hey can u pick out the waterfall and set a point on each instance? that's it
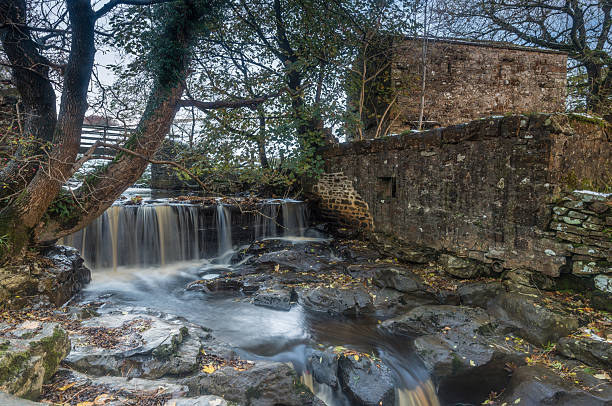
(224, 229)
(286, 218)
(163, 233)
(294, 218)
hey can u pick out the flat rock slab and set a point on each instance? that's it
(138, 345)
(591, 351)
(208, 400)
(29, 355)
(347, 301)
(10, 400)
(539, 386)
(69, 384)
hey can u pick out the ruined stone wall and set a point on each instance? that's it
(485, 191)
(340, 202)
(469, 80)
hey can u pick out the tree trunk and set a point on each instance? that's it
(21, 216)
(102, 188)
(261, 139)
(600, 90)
(31, 77)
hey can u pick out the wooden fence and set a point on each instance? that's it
(107, 134)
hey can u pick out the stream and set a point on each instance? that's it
(143, 256)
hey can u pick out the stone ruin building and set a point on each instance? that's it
(465, 80)
(527, 187)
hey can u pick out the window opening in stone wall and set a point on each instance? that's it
(386, 187)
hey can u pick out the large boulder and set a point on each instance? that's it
(136, 345)
(536, 322)
(365, 381)
(263, 384)
(539, 386)
(30, 354)
(323, 365)
(463, 348)
(66, 277)
(479, 294)
(50, 280)
(400, 280)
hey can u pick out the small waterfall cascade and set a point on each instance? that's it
(224, 229)
(159, 234)
(282, 218)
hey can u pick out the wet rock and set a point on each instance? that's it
(207, 400)
(66, 277)
(215, 285)
(302, 257)
(536, 385)
(479, 294)
(534, 322)
(400, 280)
(526, 281)
(390, 302)
(355, 251)
(48, 281)
(324, 367)
(348, 301)
(597, 353)
(463, 268)
(365, 382)
(265, 384)
(274, 298)
(259, 248)
(144, 346)
(29, 356)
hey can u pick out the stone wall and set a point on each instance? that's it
(470, 80)
(582, 220)
(340, 202)
(490, 191)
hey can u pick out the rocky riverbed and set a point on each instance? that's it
(287, 317)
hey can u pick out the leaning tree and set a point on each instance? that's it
(34, 206)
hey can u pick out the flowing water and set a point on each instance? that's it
(145, 255)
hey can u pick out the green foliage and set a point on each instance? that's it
(4, 242)
(301, 52)
(63, 206)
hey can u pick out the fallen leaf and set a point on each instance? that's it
(70, 385)
(209, 369)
